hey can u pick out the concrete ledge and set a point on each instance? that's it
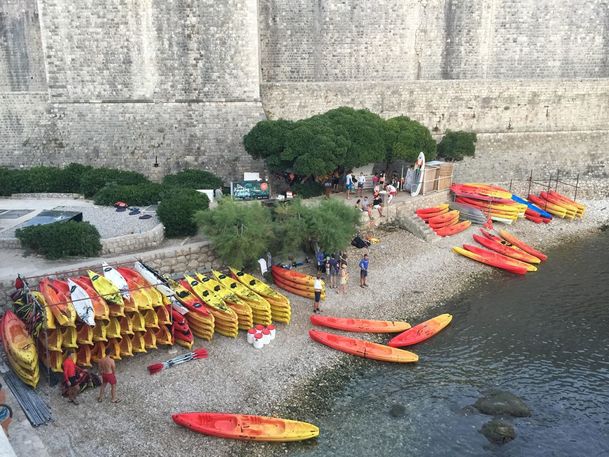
(48, 195)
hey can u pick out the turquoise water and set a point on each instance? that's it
(544, 337)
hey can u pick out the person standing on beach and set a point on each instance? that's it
(363, 271)
(344, 277)
(342, 259)
(349, 184)
(334, 270)
(360, 185)
(317, 287)
(107, 369)
(320, 261)
(70, 377)
(391, 191)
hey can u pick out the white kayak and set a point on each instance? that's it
(82, 303)
(152, 279)
(117, 279)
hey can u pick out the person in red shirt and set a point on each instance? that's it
(70, 376)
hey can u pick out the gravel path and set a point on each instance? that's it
(407, 275)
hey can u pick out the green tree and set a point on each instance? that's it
(290, 227)
(240, 233)
(457, 145)
(267, 140)
(406, 138)
(332, 225)
(177, 210)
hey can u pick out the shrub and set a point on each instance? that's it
(61, 239)
(290, 227)
(240, 232)
(177, 209)
(8, 181)
(308, 189)
(140, 194)
(94, 179)
(332, 225)
(72, 176)
(456, 145)
(193, 179)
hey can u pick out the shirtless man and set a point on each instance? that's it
(107, 369)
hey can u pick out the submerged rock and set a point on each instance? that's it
(502, 403)
(397, 411)
(498, 431)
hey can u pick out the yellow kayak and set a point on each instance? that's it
(210, 298)
(20, 349)
(258, 286)
(254, 300)
(106, 289)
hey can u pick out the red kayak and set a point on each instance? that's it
(244, 427)
(490, 260)
(363, 348)
(432, 210)
(465, 192)
(500, 257)
(522, 245)
(453, 229)
(450, 215)
(421, 332)
(448, 223)
(510, 251)
(292, 276)
(359, 325)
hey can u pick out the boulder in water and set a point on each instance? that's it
(502, 403)
(498, 431)
(397, 411)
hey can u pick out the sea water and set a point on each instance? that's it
(543, 337)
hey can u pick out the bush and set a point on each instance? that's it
(290, 227)
(138, 195)
(456, 145)
(240, 232)
(332, 225)
(61, 239)
(177, 209)
(308, 189)
(94, 179)
(193, 179)
(8, 181)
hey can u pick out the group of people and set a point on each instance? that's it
(336, 267)
(73, 376)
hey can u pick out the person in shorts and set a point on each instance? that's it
(391, 191)
(349, 184)
(360, 185)
(107, 370)
(377, 203)
(317, 288)
(363, 271)
(70, 376)
(344, 277)
(334, 267)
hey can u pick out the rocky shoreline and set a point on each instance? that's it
(407, 276)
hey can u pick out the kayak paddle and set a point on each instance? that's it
(194, 355)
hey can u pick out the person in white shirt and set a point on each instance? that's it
(349, 184)
(317, 287)
(360, 184)
(391, 191)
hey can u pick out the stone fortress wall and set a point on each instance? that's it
(128, 83)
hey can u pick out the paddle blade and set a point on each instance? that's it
(200, 353)
(155, 368)
(489, 224)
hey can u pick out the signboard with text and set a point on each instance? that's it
(250, 190)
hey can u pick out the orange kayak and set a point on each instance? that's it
(244, 427)
(500, 257)
(359, 325)
(510, 251)
(447, 223)
(292, 276)
(522, 245)
(453, 229)
(60, 305)
(421, 332)
(432, 210)
(488, 260)
(362, 348)
(450, 215)
(296, 289)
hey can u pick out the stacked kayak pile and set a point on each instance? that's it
(442, 221)
(505, 252)
(493, 201)
(89, 314)
(261, 308)
(295, 282)
(281, 310)
(557, 205)
(375, 351)
(20, 349)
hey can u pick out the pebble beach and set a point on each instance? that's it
(407, 276)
